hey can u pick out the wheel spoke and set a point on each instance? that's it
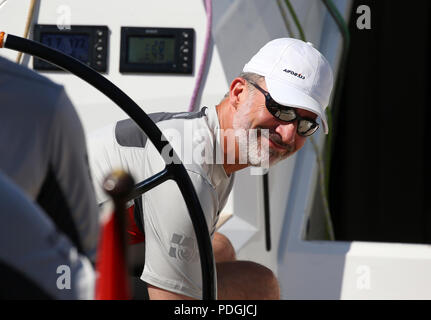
(150, 183)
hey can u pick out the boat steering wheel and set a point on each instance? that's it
(174, 170)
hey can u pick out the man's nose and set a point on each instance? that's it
(287, 132)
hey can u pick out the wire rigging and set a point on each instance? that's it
(208, 5)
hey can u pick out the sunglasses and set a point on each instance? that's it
(306, 126)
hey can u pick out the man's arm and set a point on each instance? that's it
(35, 256)
(156, 293)
(69, 163)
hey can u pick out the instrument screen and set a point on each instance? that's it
(151, 50)
(75, 45)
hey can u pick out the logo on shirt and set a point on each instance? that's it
(182, 248)
(293, 73)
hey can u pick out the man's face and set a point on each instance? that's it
(279, 141)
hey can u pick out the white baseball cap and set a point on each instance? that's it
(296, 74)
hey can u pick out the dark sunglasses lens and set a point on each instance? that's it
(287, 114)
(307, 127)
(281, 112)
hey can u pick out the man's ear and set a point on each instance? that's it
(237, 91)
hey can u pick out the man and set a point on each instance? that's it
(43, 151)
(276, 100)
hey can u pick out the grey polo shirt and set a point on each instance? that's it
(172, 258)
(43, 151)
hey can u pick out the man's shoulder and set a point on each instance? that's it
(129, 134)
(36, 92)
(15, 72)
(188, 134)
(192, 140)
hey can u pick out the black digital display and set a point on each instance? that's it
(88, 44)
(75, 45)
(157, 50)
(151, 50)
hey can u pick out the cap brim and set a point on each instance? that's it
(290, 96)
